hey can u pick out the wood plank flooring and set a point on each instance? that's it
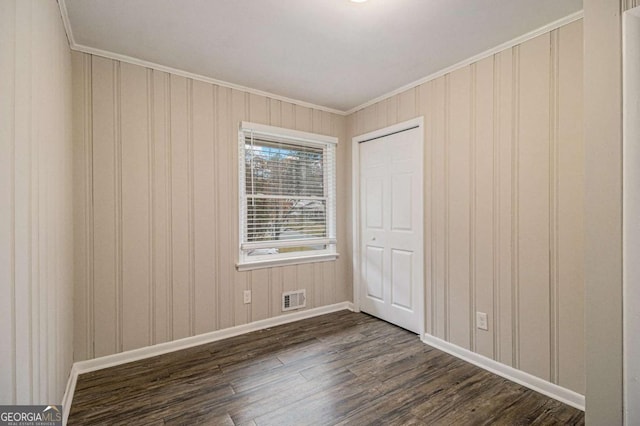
(340, 368)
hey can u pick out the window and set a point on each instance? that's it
(287, 197)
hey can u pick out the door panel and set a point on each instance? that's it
(391, 224)
(401, 185)
(374, 272)
(373, 193)
(401, 278)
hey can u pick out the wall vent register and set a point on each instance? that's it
(294, 300)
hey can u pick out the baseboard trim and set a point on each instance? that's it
(537, 384)
(68, 394)
(87, 366)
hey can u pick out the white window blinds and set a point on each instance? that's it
(287, 194)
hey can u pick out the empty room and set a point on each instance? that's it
(319, 212)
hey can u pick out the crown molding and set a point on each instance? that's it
(158, 67)
(128, 59)
(65, 21)
(193, 76)
(466, 62)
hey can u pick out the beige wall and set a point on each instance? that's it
(504, 203)
(36, 251)
(157, 205)
(603, 206)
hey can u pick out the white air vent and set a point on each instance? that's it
(294, 300)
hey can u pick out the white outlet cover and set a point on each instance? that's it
(482, 321)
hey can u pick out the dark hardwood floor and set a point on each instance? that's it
(340, 368)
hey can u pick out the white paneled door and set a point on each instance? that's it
(391, 224)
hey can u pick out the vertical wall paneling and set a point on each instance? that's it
(369, 116)
(81, 180)
(459, 202)
(36, 199)
(630, 213)
(215, 219)
(86, 232)
(533, 207)
(381, 110)
(7, 197)
(570, 199)
(504, 191)
(225, 167)
(164, 228)
(553, 206)
(406, 105)
(504, 199)
(161, 212)
(105, 302)
(190, 209)
(446, 140)
(169, 217)
(22, 203)
(38, 152)
(135, 248)
(151, 290)
(423, 94)
(473, 203)
(438, 112)
(117, 173)
(515, 205)
(392, 110)
(495, 194)
(63, 245)
(180, 207)
(203, 204)
(603, 199)
(240, 281)
(483, 184)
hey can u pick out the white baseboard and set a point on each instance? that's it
(81, 367)
(68, 394)
(537, 384)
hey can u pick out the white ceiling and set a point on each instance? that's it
(332, 53)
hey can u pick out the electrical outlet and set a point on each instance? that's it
(481, 321)
(247, 296)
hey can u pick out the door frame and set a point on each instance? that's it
(631, 209)
(355, 200)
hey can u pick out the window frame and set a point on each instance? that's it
(299, 138)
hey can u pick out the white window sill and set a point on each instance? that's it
(247, 266)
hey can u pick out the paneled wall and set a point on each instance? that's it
(156, 207)
(603, 100)
(36, 251)
(504, 203)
